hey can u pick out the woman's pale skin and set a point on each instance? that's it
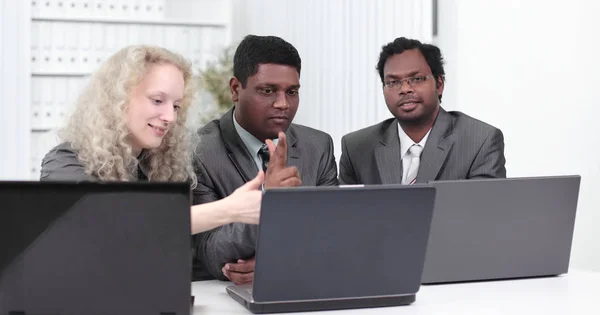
(151, 113)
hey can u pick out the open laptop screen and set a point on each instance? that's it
(95, 248)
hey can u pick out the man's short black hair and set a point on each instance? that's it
(432, 55)
(255, 50)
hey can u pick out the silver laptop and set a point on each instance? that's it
(95, 248)
(501, 228)
(325, 248)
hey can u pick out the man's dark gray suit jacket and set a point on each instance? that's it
(458, 147)
(224, 164)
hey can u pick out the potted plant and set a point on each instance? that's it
(214, 80)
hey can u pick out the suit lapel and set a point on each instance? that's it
(237, 151)
(293, 152)
(387, 156)
(437, 148)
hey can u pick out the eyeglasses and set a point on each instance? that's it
(412, 81)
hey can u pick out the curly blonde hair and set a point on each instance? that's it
(98, 130)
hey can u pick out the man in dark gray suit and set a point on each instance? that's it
(423, 142)
(234, 148)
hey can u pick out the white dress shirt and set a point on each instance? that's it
(405, 143)
(251, 143)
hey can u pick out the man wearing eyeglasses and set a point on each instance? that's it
(423, 142)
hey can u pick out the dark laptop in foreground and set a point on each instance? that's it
(96, 249)
(501, 228)
(325, 248)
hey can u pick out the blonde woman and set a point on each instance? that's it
(129, 124)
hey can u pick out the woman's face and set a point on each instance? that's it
(153, 106)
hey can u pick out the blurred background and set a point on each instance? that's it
(528, 67)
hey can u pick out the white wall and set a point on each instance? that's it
(531, 68)
(339, 42)
(14, 89)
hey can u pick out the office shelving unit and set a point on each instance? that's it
(69, 39)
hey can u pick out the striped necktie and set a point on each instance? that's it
(413, 169)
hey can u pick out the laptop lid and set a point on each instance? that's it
(501, 228)
(324, 243)
(95, 248)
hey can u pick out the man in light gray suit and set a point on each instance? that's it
(234, 148)
(423, 142)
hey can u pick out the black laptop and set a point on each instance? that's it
(94, 248)
(501, 228)
(324, 248)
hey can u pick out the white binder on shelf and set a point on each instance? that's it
(137, 9)
(110, 36)
(112, 9)
(98, 38)
(158, 34)
(195, 51)
(84, 54)
(52, 8)
(183, 41)
(47, 108)
(45, 46)
(171, 37)
(100, 8)
(61, 91)
(36, 8)
(85, 9)
(133, 33)
(157, 9)
(122, 37)
(36, 102)
(121, 9)
(58, 54)
(35, 46)
(72, 46)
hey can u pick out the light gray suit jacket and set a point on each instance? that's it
(458, 147)
(224, 164)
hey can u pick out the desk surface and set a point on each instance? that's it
(575, 293)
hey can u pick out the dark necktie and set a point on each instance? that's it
(264, 155)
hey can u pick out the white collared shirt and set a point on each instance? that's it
(251, 142)
(405, 143)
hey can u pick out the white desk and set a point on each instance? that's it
(575, 293)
